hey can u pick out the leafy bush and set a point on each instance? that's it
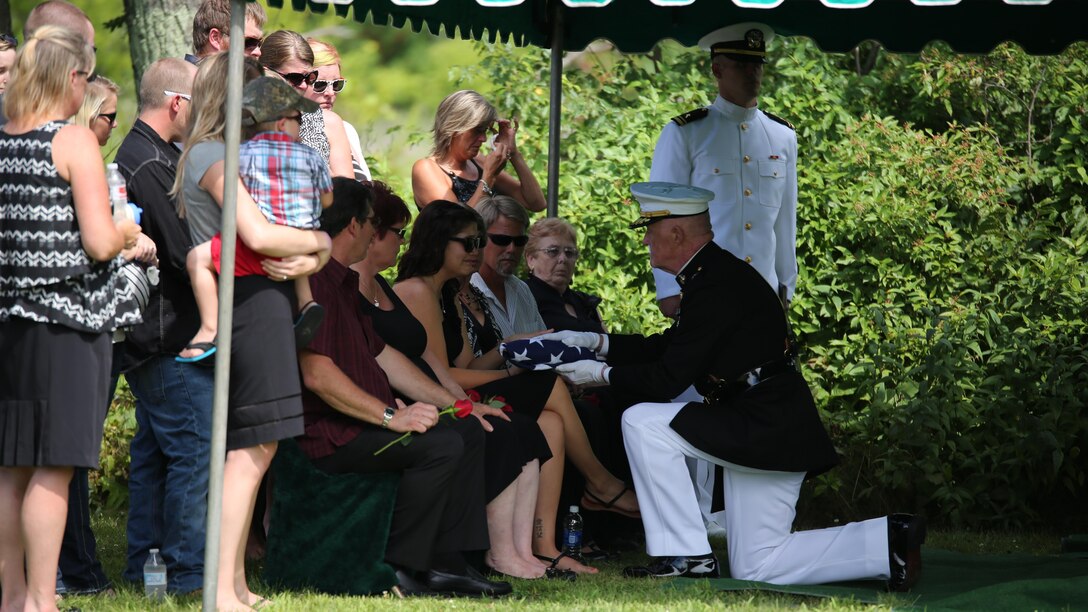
(942, 243)
(109, 484)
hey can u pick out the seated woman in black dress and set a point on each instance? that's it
(515, 445)
(444, 251)
(551, 254)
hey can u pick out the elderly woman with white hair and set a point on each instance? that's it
(456, 171)
(551, 255)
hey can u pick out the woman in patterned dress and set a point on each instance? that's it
(60, 297)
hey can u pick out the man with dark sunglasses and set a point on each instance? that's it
(510, 299)
(211, 29)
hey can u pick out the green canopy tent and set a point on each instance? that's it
(968, 26)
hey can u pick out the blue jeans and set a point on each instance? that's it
(168, 474)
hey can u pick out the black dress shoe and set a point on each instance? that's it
(501, 587)
(410, 586)
(906, 533)
(449, 583)
(702, 566)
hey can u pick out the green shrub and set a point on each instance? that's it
(943, 278)
(109, 485)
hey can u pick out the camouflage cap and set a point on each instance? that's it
(268, 99)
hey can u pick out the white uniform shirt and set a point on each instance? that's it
(749, 161)
(519, 315)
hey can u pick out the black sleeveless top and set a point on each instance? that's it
(462, 187)
(398, 328)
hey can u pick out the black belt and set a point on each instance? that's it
(723, 389)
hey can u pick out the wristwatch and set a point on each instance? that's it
(389, 412)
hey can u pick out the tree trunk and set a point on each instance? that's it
(5, 18)
(158, 29)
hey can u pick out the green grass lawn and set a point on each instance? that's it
(607, 590)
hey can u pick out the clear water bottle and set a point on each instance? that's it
(154, 576)
(118, 193)
(572, 533)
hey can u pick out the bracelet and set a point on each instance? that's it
(487, 189)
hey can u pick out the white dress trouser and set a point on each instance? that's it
(702, 474)
(760, 511)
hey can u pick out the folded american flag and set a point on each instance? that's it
(537, 354)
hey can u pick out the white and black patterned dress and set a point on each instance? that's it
(56, 307)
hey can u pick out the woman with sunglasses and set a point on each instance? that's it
(324, 90)
(515, 446)
(445, 250)
(60, 297)
(456, 171)
(287, 55)
(99, 108)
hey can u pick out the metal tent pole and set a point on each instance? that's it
(555, 108)
(229, 230)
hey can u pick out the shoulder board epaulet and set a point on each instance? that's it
(690, 116)
(778, 119)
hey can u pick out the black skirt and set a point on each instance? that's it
(53, 386)
(526, 394)
(265, 392)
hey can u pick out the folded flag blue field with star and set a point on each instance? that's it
(537, 354)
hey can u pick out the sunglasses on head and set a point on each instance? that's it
(111, 117)
(320, 85)
(505, 240)
(471, 243)
(252, 43)
(296, 79)
(9, 39)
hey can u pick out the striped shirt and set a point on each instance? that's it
(45, 274)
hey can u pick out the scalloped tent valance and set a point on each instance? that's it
(1040, 27)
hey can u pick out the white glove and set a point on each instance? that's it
(585, 372)
(590, 340)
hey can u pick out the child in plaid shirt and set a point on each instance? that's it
(290, 183)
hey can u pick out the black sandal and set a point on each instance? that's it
(595, 553)
(595, 504)
(309, 319)
(554, 572)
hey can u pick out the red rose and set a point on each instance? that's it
(462, 408)
(473, 395)
(507, 408)
(499, 398)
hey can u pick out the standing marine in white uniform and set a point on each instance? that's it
(746, 156)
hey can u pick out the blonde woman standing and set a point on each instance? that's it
(457, 172)
(324, 90)
(265, 402)
(99, 109)
(60, 297)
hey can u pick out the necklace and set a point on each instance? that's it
(362, 293)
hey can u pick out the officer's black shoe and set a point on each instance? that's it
(906, 533)
(700, 566)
